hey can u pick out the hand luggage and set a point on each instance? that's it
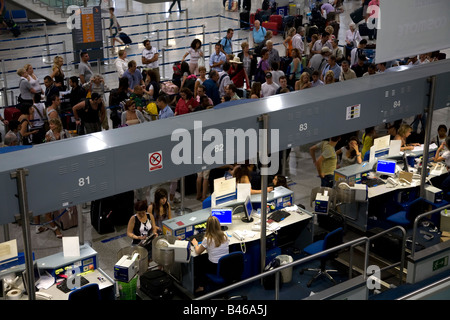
(271, 26)
(269, 281)
(365, 31)
(13, 27)
(244, 20)
(278, 19)
(357, 15)
(67, 218)
(157, 284)
(12, 113)
(125, 38)
(101, 218)
(252, 20)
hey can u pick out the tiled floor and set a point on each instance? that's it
(301, 171)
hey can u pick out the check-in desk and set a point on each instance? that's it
(57, 265)
(297, 228)
(382, 200)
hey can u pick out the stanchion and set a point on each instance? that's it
(164, 63)
(204, 34)
(157, 39)
(47, 59)
(187, 21)
(5, 84)
(183, 209)
(220, 27)
(105, 42)
(167, 34)
(65, 66)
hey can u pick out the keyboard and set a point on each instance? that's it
(279, 215)
(199, 237)
(373, 182)
(63, 284)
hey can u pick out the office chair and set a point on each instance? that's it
(88, 292)
(405, 218)
(332, 239)
(366, 156)
(229, 269)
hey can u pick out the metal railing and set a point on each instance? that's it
(277, 271)
(416, 223)
(401, 263)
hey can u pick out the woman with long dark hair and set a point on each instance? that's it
(243, 174)
(195, 52)
(160, 208)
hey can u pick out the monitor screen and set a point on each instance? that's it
(386, 167)
(224, 215)
(248, 209)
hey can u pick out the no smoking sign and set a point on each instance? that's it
(155, 161)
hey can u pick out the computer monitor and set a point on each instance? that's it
(248, 209)
(386, 167)
(37, 276)
(224, 215)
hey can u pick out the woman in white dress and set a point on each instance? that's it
(196, 53)
(32, 78)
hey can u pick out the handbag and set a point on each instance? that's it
(46, 124)
(201, 62)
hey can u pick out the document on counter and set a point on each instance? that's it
(224, 186)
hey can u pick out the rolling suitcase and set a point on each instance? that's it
(67, 218)
(271, 26)
(244, 20)
(12, 113)
(125, 38)
(13, 27)
(278, 19)
(247, 5)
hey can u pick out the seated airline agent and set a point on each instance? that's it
(217, 244)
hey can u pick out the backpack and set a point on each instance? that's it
(157, 284)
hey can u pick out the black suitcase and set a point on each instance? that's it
(244, 20)
(101, 215)
(157, 284)
(125, 38)
(331, 221)
(123, 208)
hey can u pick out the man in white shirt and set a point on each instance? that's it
(297, 40)
(357, 51)
(268, 88)
(150, 57)
(121, 63)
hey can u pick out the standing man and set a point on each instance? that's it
(346, 72)
(217, 59)
(258, 33)
(212, 88)
(150, 57)
(269, 88)
(297, 40)
(226, 42)
(164, 109)
(326, 163)
(333, 66)
(274, 56)
(50, 90)
(323, 42)
(173, 3)
(84, 68)
(93, 114)
(133, 75)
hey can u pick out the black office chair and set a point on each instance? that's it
(332, 239)
(88, 292)
(229, 269)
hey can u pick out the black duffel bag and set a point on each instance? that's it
(157, 284)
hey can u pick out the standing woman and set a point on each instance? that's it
(26, 91)
(25, 118)
(295, 67)
(288, 41)
(200, 79)
(216, 243)
(248, 59)
(33, 79)
(114, 29)
(255, 93)
(57, 73)
(141, 224)
(160, 209)
(195, 51)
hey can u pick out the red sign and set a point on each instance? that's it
(155, 161)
